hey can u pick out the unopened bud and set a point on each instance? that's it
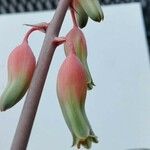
(75, 38)
(21, 65)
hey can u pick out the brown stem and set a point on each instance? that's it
(29, 110)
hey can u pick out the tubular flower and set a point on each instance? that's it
(21, 65)
(71, 91)
(75, 38)
(85, 9)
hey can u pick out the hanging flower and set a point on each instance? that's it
(21, 65)
(71, 91)
(75, 39)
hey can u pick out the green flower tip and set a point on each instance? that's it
(86, 143)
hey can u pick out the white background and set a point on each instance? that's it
(118, 107)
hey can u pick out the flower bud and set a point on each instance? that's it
(93, 9)
(21, 65)
(87, 8)
(71, 91)
(75, 38)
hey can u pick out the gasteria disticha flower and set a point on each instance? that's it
(75, 38)
(87, 8)
(71, 91)
(21, 65)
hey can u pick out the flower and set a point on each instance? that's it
(75, 39)
(85, 9)
(21, 65)
(71, 91)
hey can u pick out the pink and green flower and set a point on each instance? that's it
(75, 39)
(71, 91)
(21, 65)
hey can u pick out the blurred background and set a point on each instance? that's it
(16, 6)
